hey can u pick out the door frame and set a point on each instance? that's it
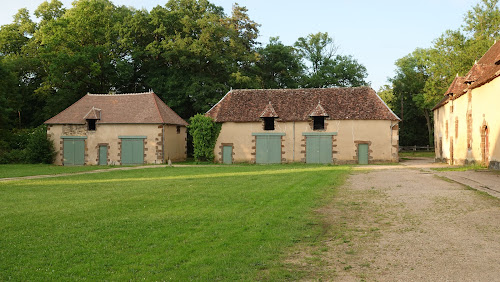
(99, 158)
(80, 138)
(368, 143)
(128, 138)
(328, 134)
(224, 145)
(276, 134)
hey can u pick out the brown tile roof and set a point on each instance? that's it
(269, 111)
(488, 67)
(360, 103)
(457, 87)
(441, 103)
(319, 111)
(145, 108)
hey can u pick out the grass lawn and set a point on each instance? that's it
(421, 154)
(19, 170)
(174, 223)
(462, 168)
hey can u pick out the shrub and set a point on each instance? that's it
(39, 148)
(205, 132)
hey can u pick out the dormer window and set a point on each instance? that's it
(91, 124)
(319, 123)
(268, 123)
(268, 115)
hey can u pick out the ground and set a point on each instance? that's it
(406, 224)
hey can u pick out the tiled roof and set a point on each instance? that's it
(359, 103)
(482, 72)
(441, 103)
(142, 108)
(319, 111)
(269, 111)
(457, 87)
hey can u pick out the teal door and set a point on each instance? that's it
(268, 149)
(74, 151)
(103, 155)
(227, 154)
(132, 151)
(363, 153)
(319, 149)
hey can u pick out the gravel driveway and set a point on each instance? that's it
(405, 224)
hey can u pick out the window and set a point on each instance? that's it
(178, 129)
(91, 124)
(268, 123)
(319, 123)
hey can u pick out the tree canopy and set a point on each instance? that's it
(423, 76)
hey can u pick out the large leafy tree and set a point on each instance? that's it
(279, 66)
(326, 67)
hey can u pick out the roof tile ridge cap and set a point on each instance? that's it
(68, 107)
(373, 91)
(118, 94)
(154, 96)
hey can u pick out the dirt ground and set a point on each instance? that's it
(405, 224)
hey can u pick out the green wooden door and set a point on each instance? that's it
(268, 149)
(227, 154)
(74, 151)
(363, 153)
(132, 151)
(319, 149)
(103, 155)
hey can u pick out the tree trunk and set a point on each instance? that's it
(429, 126)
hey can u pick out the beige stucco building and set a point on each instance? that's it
(332, 125)
(115, 129)
(467, 120)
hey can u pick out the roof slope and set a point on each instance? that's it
(457, 87)
(143, 108)
(360, 103)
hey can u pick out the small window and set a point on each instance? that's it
(268, 123)
(178, 129)
(319, 123)
(91, 124)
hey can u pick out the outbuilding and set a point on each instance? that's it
(328, 125)
(114, 129)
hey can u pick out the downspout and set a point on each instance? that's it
(163, 143)
(293, 157)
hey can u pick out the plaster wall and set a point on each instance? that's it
(381, 135)
(108, 135)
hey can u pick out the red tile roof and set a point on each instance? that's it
(482, 72)
(359, 103)
(319, 111)
(141, 108)
(269, 111)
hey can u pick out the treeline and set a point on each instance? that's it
(423, 76)
(188, 52)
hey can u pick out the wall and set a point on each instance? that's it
(107, 134)
(175, 143)
(480, 104)
(382, 139)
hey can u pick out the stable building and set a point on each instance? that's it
(467, 120)
(116, 129)
(328, 125)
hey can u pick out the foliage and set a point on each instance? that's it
(205, 132)
(423, 76)
(40, 149)
(386, 93)
(327, 68)
(193, 223)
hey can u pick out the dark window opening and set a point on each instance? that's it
(319, 123)
(91, 124)
(178, 129)
(269, 123)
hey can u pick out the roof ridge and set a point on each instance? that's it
(119, 94)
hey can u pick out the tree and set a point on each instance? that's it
(328, 69)
(205, 132)
(279, 66)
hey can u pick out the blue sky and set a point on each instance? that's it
(376, 33)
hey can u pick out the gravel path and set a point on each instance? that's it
(405, 225)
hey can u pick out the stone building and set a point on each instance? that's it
(330, 125)
(113, 129)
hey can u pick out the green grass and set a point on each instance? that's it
(421, 154)
(19, 170)
(462, 168)
(174, 223)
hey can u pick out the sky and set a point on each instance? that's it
(375, 32)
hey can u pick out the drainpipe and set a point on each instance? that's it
(163, 143)
(293, 156)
